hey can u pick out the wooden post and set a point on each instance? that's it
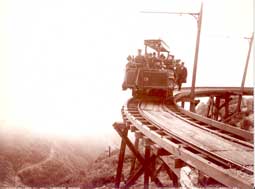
(210, 107)
(137, 173)
(217, 106)
(147, 166)
(153, 166)
(171, 175)
(121, 159)
(134, 158)
(109, 151)
(227, 99)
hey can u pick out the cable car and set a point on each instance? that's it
(151, 74)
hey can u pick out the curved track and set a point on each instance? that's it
(216, 149)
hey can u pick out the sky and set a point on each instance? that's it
(62, 61)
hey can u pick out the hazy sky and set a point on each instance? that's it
(62, 61)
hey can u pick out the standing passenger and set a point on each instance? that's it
(154, 60)
(139, 59)
(181, 75)
(150, 61)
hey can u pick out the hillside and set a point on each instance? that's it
(32, 160)
(36, 161)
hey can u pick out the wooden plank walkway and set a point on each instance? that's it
(198, 137)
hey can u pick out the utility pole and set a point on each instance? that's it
(198, 17)
(194, 73)
(245, 73)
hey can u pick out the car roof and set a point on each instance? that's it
(157, 45)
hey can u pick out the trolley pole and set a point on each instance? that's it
(194, 73)
(198, 17)
(245, 73)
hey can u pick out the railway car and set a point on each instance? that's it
(154, 74)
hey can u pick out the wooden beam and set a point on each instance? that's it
(139, 157)
(227, 99)
(147, 141)
(153, 166)
(133, 128)
(182, 104)
(131, 146)
(171, 175)
(178, 163)
(158, 151)
(134, 176)
(138, 134)
(132, 168)
(157, 171)
(121, 159)
(217, 106)
(147, 167)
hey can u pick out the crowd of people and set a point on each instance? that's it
(161, 62)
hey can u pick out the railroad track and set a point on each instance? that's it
(203, 123)
(229, 160)
(211, 124)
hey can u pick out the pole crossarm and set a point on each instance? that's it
(162, 12)
(194, 14)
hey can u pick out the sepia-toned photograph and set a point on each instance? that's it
(144, 94)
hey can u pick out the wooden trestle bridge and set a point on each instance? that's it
(177, 138)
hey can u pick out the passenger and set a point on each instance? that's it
(169, 62)
(163, 66)
(170, 65)
(154, 60)
(159, 62)
(149, 60)
(130, 63)
(176, 67)
(158, 65)
(139, 59)
(162, 62)
(181, 75)
(133, 58)
(162, 58)
(170, 58)
(129, 58)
